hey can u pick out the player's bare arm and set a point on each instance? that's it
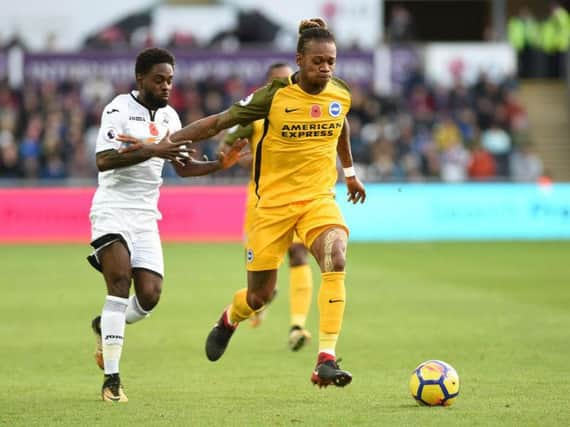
(356, 192)
(205, 128)
(226, 159)
(139, 152)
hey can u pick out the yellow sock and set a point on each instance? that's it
(240, 309)
(332, 297)
(300, 293)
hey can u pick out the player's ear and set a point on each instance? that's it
(298, 59)
(139, 79)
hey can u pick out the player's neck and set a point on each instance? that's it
(311, 89)
(144, 102)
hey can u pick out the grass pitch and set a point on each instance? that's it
(498, 312)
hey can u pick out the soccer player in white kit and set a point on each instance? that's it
(124, 210)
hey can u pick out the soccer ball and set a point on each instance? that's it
(434, 383)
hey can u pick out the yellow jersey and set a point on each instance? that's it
(253, 132)
(294, 159)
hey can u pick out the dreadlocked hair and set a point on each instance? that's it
(150, 57)
(313, 29)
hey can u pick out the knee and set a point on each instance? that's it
(118, 284)
(333, 253)
(149, 297)
(258, 298)
(338, 259)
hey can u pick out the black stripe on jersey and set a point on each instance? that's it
(257, 166)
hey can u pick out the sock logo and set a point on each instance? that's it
(113, 337)
(335, 300)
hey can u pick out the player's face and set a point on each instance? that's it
(317, 63)
(279, 73)
(156, 85)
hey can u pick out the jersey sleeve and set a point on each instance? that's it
(257, 105)
(112, 124)
(238, 131)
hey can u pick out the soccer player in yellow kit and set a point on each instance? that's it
(300, 276)
(294, 172)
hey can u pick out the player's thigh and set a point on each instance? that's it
(319, 215)
(147, 252)
(113, 246)
(115, 260)
(269, 234)
(298, 253)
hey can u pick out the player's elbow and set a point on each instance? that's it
(102, 164)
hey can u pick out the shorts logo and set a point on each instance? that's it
(111, 133)
(153, 129)
(246, 100)
(249, 255)
(335, 109)
(316, 111)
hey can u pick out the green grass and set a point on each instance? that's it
(498, 312)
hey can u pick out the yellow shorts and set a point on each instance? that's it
(296, 238)
(249, 208)
(270, 230)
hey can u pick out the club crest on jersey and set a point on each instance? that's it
(249, 255)
(335, 109)
(153, 129)
(316, 111)
(246, 100)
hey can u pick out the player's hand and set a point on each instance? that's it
(231, 157)
(356, 192)
(130, 143)
(165, 148)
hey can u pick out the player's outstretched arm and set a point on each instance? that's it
(137, 152)
(356, 191)
(192, 167)
(205, 128)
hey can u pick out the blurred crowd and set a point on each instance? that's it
(428, 133)
(452, 134)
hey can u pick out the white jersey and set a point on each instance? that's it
(136, 186)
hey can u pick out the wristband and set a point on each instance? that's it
(349, 172)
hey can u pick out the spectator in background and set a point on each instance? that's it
(482, 165)
(446, 134)
(97, 90)
(400, 25)
(9, 167)
(498, 142)
(383, 165)
(556, 39)
(523, 31)
(526, 165)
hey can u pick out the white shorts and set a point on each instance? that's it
(138, 229)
